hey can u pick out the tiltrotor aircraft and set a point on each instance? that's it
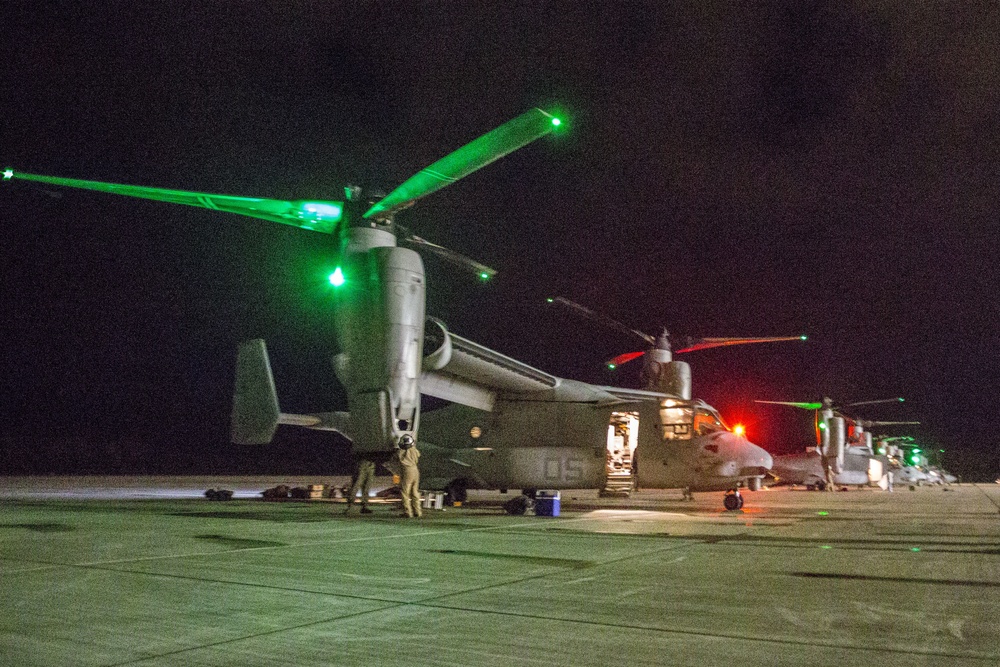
(842, 442)
(512, 426)
(910, 464)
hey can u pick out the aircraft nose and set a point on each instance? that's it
(758, 456)
(745, 458)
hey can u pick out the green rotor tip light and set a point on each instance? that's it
(8, 174)
(337, 277)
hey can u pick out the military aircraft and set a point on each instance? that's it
(910, 464)
(380, 295)
(512, 426)
(843, 443)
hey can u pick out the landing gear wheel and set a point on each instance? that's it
(733, 501)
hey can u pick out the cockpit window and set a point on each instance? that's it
(706, 422)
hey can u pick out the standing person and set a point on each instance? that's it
(364, 475)
(408, 455)
(831, 478)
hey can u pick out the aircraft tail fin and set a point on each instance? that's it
(255, 399)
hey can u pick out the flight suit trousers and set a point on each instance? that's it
(410, 485)
(362, 481)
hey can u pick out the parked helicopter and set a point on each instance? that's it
(909, 463)
(380, 304)
(844, 445)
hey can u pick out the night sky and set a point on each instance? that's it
(751, 169)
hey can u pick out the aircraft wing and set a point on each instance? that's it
(476, 376)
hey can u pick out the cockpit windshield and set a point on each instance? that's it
(707, 421)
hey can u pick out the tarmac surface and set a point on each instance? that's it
(145, 571)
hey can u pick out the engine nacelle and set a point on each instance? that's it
(838, 438)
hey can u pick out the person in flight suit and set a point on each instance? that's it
(408, 455)
(831, 478)
(364, 475)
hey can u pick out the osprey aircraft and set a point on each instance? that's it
(511, 425)
(842, 443)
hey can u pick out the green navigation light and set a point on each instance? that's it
(917, 450)
(556, 122)
(826, 546)
(8, 174)
(484, 276)
(337, 277)
(550, 300)
(612, 367)
(914, 548)
(803, 337)
(823, 513)
(822, 425)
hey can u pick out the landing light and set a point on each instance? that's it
(739, 429)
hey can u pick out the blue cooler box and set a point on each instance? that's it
(547, 503)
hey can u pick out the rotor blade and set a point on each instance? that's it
(804, 406)
(623, 359)
(707, 343)
(484, 272)
(474, 155)
(319, 216)
(589, 314)
(881, 400)
(866, 423)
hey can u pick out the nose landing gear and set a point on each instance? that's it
(733, 500)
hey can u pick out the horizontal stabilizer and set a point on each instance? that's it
(255, 400)
(339, 422)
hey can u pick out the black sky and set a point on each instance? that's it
(827, 168)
